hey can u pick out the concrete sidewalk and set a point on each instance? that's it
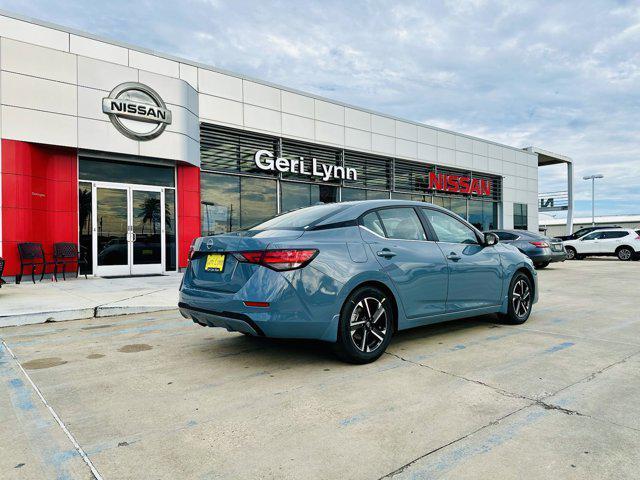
(86, 298)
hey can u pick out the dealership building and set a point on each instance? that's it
(131, 154)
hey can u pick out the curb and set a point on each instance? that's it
(77, 314)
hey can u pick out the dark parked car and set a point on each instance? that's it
(540, 249)
(584, 231)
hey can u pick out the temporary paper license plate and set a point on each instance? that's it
(215, 262)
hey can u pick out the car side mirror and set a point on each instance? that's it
(490, 239)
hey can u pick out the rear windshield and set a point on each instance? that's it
(301, 219)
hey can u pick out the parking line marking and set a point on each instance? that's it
(77, 446)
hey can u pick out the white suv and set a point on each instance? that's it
(621, 242)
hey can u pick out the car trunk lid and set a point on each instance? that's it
(215, 268)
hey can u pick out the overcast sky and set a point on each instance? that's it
(563, 76)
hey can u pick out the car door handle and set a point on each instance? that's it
(453, 257)
(386, 253)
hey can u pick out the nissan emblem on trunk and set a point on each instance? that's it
(137, 111)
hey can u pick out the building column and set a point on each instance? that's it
(188, 210)
(569, 198)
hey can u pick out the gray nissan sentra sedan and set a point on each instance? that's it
(542, 250)
(353, 273)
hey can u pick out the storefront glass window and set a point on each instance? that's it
(350, 194)
(126, 172)
(84, 218)
(298, 195)
(520, 216)
(170, 229)
(232, 202)
(483, 215)
(401, 196)
(459, 206)
(257, 200)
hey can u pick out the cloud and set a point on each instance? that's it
(564, 76)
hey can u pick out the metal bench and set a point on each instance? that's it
(32, 255)
(66, 253)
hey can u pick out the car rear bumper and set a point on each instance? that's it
(233, 322)
(289, 310)
(547, 256)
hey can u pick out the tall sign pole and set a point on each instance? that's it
(593, 196)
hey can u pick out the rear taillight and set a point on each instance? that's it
(192, 249)
(285, 259)
(540, 244)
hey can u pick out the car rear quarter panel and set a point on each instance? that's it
(341, 266)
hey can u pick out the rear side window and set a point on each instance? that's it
(614, 234)
(449, 229)
(302, 218)
(373, 223)
(396, 223)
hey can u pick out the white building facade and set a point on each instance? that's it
(131, 154)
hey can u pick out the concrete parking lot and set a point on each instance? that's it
(155, 396)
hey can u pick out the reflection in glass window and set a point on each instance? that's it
(229, 203)
(351, 194)
(220, 203)
(298, 195)
(257, 201)
(170, 229)
(125, 172)
(483, 215)
(402, 223)
(520, 216)
(448, 229)
(373, 223)
(459, 206)
(401, 196)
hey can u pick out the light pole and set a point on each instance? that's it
(593, 198)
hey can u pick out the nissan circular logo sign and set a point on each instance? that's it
(137, 111)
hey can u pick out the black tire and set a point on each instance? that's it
(518, 312)
(571, 253)
(540, 266)
(625, 253)
(363, 334)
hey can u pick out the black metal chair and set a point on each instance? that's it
(2, 282)
(32, 255)
(66, 253)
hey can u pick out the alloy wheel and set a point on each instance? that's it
(624, 254)
(521, 298)
(570, 253)
(368, 324)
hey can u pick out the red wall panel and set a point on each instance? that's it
(39, 198)
(188, 209)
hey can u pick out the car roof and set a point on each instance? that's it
(358, 207)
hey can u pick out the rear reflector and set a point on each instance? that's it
(256, 304)
(288, 259)
(540, 244)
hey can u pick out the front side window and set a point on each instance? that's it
(449, 229)
(591, 236)
(401, 224)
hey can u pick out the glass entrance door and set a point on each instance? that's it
(129, 227)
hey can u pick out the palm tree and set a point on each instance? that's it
(150, 212)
